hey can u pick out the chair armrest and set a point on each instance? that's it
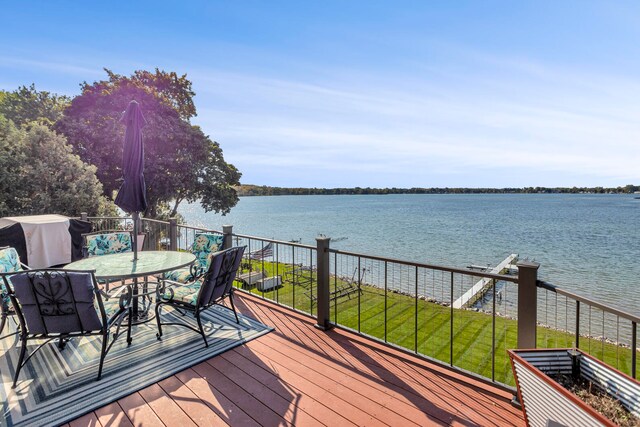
(173, 283)
(162, 288)
(115, 293)
(124, 298)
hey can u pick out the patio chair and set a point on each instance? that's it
(9, 263)
(195, 297)
(203, 247)
(107, 242)
(62, 304)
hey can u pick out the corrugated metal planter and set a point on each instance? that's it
(547, 403)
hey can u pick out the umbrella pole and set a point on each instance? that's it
(136, 219)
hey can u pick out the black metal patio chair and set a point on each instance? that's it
(62, 304)
(203, 247)
(9, 263)
(107, 242)
(195, 297)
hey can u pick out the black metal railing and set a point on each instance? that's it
(571, 320)
(110, 223)
(419, 307)
(284, 272)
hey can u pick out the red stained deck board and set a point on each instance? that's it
(138, 411)
(165, 408)
(357, 394)
(199, 412)
(87, 420)
(482, 403)
(307, 385)
(112, 415)
(380, 394)
(272, 397)
(226, 409)
(256, 369)
(255, 408)
(377, 391)
(403, 395)
(299, 375)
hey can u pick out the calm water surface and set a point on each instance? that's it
(585, 243)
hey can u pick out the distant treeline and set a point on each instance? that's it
(263, 190)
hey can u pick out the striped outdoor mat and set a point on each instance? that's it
(58, 386)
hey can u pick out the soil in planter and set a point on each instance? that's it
(606, 405)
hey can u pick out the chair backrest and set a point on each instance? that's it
(218, 280)
(9, 260)
(203, 247)
(107, 242)
(9, 263)
(56, 301)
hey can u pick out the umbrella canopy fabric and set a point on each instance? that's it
(132, 195)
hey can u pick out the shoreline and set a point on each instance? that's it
(250, 190)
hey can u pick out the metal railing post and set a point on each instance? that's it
(323, 293)
(634, 348)
(227, 232)
(173, 234)
(84, 216)
(527, 303)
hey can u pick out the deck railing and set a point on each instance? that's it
(571, 320)
(410, 305)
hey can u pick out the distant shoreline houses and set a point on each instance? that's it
(263, 190)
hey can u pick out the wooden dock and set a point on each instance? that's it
(479, 289)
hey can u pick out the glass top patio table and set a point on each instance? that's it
(122, 266)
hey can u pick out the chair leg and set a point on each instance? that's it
(23, 351)
(204, 337)
(3, 321)
(233, 307)
(103, 353)
(129, 327)
(158, 308)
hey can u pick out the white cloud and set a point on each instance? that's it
(539, 121)
(476, 119)
(54, 66)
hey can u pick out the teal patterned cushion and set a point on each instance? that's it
(182, 275)
(187, 294)
(204, 246)
(9, 263)
(109, 243)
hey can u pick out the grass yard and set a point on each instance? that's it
(425, 327)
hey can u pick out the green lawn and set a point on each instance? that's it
(472, 331)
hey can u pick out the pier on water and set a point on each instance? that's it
(478, 290)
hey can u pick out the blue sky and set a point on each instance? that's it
(371, 93)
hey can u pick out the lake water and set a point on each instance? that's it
(585, 243)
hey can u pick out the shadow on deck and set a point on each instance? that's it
(299, 375)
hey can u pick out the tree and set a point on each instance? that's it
(181, 162)
(11, 155)
(42, 175)
(26, 105)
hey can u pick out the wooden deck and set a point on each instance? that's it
(298, 375)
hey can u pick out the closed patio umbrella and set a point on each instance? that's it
(132, 195)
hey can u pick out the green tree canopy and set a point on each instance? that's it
(181, 162)
(41, 175)
(26, 105)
